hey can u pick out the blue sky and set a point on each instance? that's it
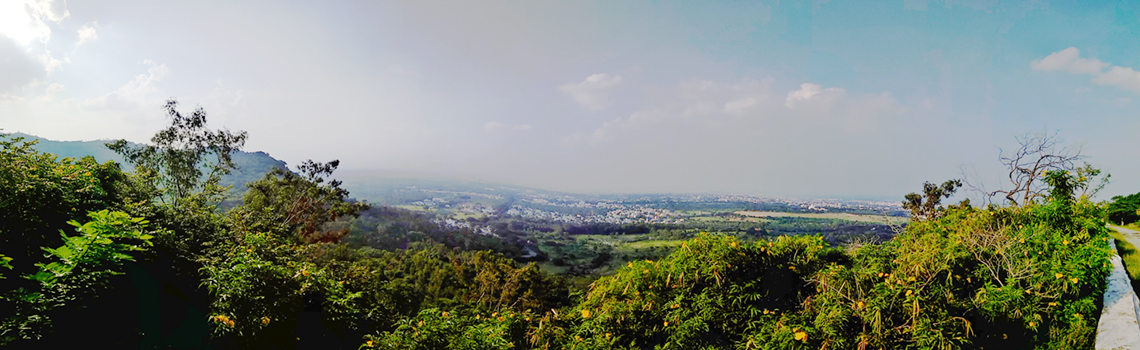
(792, 98)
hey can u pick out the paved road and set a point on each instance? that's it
(1132, 236)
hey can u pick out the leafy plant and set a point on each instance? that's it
(433, 329)
(80, 267)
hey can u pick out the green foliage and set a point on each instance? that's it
(975, 278)
(298, 205)
(429, 275)
(79, 268)
(925, 206)
(706, 295)
(1026, 277)
(5, 262)
(1124, 209)
(433, 329)
(101, 242)
(39, 194)
(174, 163)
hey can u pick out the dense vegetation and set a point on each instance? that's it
(1124, 209)
(93, 255)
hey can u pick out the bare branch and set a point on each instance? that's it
(1036, 154)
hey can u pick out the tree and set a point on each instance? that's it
(300, 204)
(1124, 209)
(175, 162)
(933, 194)
(1035, 155)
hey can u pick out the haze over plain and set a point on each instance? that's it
(796, 98)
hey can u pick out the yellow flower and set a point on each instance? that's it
(1065, 242)
(732, 244)
(1052, 304)
(1074, 279)
(370, 343)
(1059, 275)
(265, 320)
(801, 336)
(585, 313)
(791, 267)
(909, 292)
(223, 319)
(676, 306)
(666, 323)
(860, 304)
(1028, 291)
(629, 264)
(445, 314)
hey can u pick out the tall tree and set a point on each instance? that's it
(180, 153)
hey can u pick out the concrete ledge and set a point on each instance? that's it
(1119, 325)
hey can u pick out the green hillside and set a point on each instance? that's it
(251, 165)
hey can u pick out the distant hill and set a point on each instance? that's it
(251, 165)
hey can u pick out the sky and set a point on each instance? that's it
(810, 99)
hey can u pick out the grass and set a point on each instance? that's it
(651, 244)
(1129, 254)
(879, 219)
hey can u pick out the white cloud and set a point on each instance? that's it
(50, 63)
(140, 91)
(1122, 77)
(814, 96)
(87, 34)
(1069, 60)
(591, 93)
(750, 104)
(17, 68)
(23, 21)
(741, 106)
(497, 126)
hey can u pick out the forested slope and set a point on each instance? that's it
(93, 255)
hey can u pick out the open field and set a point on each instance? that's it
(878, 219)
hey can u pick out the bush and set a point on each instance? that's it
(1028, 277)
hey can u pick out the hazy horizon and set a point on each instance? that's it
(798, 99)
